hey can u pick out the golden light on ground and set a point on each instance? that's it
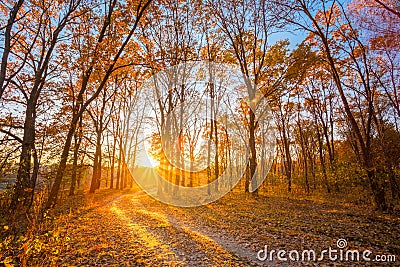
(147, 238)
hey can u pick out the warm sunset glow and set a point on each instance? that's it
(146, 160)
(199, 133)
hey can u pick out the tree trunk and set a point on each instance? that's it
(96, 175)
(118, 184)
(216, 159)
(24, 185)
(378, 190)
(74, 167)
(63, 163)
(253, 153)
(78, 140)
(112, 165)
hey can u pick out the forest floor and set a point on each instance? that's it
(129, 228)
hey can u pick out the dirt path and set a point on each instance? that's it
(134, 230)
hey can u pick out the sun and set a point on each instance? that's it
(145, 160)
